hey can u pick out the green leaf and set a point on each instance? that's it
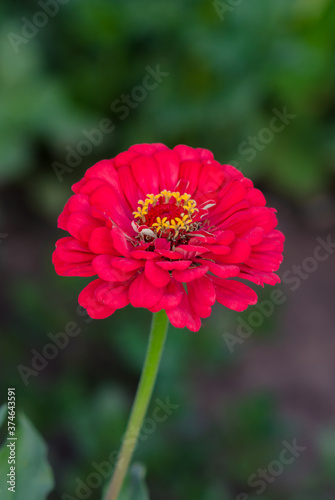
(134, 487)
(33, 472)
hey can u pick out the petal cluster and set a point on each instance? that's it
(224, 233)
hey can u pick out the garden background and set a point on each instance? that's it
(253, 81)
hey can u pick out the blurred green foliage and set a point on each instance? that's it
(134, 485)
(225, 79)
(30, 468)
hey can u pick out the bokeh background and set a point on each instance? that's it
(229, 67)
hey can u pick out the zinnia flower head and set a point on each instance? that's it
(168, 229)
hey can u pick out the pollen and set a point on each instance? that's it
(167, 214)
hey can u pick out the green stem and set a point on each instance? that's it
(158, 332)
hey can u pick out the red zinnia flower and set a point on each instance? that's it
(168, 229)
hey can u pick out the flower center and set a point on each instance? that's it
(166, 215)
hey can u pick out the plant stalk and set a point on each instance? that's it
(157, 338)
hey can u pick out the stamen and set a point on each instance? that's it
(167, 214)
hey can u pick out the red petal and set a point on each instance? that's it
(255, 197)
(267, 261)
(87, 186)
(254, 236)
(77, 186)
(121, 244)
(94, 308)
(205, 154)
(226, 237)
(202, 296)
(156, 275)
(188, 153)
(111, 295)
(169, 254)
(191, 251)
(223, 271)
(161, 244)
(230, 195)
(102, 264)
(143, 294)
(232, 172)
(124, 158)
(81, 225)
(101, 241)
(172, 297)
(148, 149)
(182, 186)
(234, 295)
(70, 269)
(146, 174)
(271, 242)
(168, 167)
(126, 265)
(130, 186)
(259, 277)
(112, 207)
(190, 170)
(219, 249)
(239, 252)
(241, 222)
(142, 254)
(211, 179)
(69, 249)
(183, 315)
(76, 203)
(239, 208)
(104, 170)
(190, 274)
(178, 264)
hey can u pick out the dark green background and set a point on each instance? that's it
(229, 68)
